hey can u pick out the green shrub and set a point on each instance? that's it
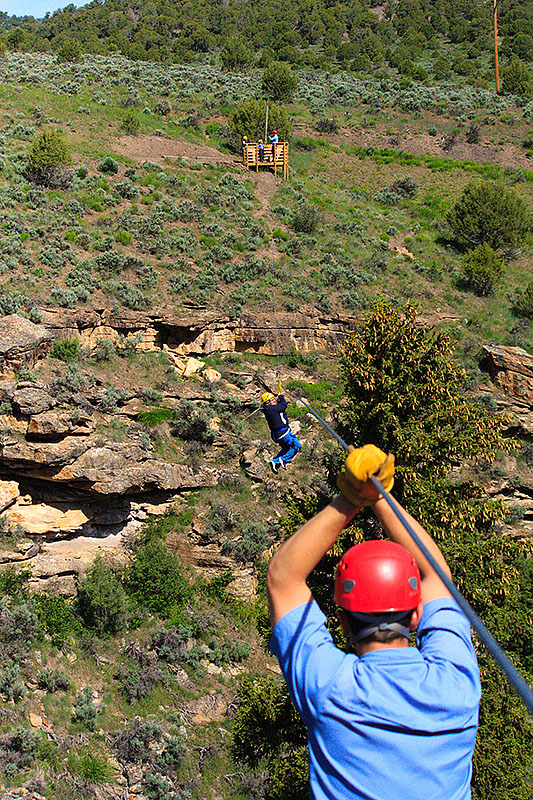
(12, 580)
(248, 119)
(516, 78)
(85, 711)
(52, 680)
(482, 269)
(268, 732)
(158, 787)
(56, 617)
(174, 754)
(108, 166)
(19, 626)
(326, 125)
(123, 237)
(138, 681)
(487, 213)
(163, 108)
(47, 158)
(171, 644)
(19, 747)
(102, 602)
(522, 301)
(305, 218)
(431, 425)
(65, 349)
(130, 124)
(156, 580)
(66, 298)
(254, 539)
(103, 350)
(279, 82)
(11, 685)
(192, 423)
(235, 53)
(133, 743)
(68, 51)
(156, 416)
(91, 768)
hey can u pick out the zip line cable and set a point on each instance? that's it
(275, 307)
(495, 650)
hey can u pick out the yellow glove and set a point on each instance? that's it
(361, 464)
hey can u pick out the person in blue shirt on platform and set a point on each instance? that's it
(274, 139)
(385, 721)
(274, 410)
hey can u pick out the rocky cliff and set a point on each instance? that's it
(70, 487)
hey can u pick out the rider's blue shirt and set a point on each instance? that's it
(396, 723)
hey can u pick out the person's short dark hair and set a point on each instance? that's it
(359, 622)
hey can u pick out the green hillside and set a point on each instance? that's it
(416, 36)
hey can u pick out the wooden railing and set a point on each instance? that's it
(268, 155)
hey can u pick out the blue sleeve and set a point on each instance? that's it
(444, 635)
(303, 646)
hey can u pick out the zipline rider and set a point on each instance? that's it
(385, 721)
(274, 409)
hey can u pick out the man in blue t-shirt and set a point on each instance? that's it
(274, 409)
(385, 721)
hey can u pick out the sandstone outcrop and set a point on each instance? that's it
(22, 343)
(511, 370)
(202, 333)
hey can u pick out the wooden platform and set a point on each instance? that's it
(274, 156)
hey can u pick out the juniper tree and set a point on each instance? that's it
(47, 159)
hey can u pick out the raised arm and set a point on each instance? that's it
(291, 565)
(432, 586)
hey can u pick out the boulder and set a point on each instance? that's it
(32, 398)
(9, 491)
(254, 464)
(123, 468)
(8, 422)
(21, 551)
(511, 368)
(22, 343)
(211, 375)
(42, 519)
(185, 367)
(30, 457)
(59, 563)
(60, 423)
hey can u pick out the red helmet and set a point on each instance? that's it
(377, 576)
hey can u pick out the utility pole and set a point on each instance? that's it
(496, 44)
(266, 120)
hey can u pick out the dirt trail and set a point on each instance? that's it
(158, 148)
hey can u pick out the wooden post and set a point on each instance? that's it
(496, 44)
